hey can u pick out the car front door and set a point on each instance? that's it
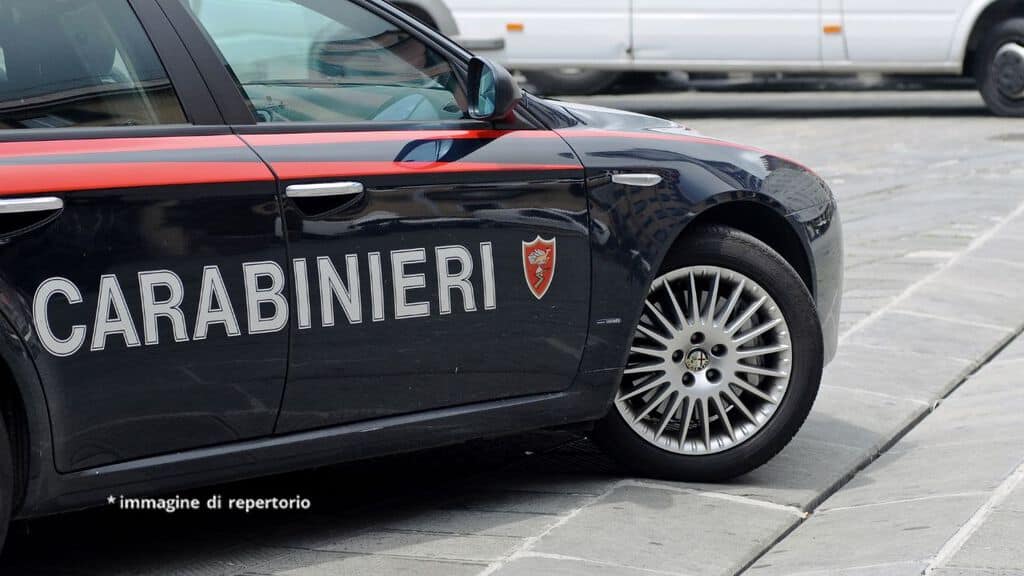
(741, 33)
(436, 261)
(141, 242)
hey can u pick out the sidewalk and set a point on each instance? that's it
(947, 499)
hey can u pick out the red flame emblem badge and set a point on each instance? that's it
(539, 265)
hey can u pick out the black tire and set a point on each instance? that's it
(997, 75)
(572, 83)
(6, 481)
(729, 248)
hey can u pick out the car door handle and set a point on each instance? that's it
(324, 190)
(23, 205)
(642, 180)
(19, 215)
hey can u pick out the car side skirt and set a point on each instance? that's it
(588, 399)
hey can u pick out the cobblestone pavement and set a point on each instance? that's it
(911, 461)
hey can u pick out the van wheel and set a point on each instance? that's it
(724, 366)
(6, 481)
(1000, 68)
(571, 81)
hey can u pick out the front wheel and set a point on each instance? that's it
(724, 365)
(999, 68)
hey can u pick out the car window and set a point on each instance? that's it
(328, 61)
(69, 63)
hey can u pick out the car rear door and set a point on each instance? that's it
(727, 33)
(141, 239)
(436, 261)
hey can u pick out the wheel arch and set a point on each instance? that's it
(12, 407)
(980, 17)
(26, 415)
(762, 222)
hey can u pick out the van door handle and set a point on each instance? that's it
(324, 190)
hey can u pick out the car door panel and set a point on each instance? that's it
(726, 30)
(382, 177)
(143, 221)
(430, 194)
(142, 202)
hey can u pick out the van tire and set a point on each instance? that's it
(999, 68)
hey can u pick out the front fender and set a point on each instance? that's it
(635, 227)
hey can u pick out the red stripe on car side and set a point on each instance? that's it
(40, 178)
(113, 145)
(305, 170)
(390, 136)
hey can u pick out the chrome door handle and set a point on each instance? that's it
(324, 190)
(643, 180)
(22, 205)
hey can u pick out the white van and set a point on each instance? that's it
(579, 46)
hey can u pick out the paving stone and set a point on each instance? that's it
(1003, 379)
(931, 336)
(908, 568)
(975, 572)
(796, 477)
(425, 545)
(471, 522)
(895, 272)
(858, 419)
(967, 303)
(532, 480)
(1015, 501)
(868, 536)
(534, 566)
(998, 544)
(973, 272)
(1005, 248)
(894, 372)
(520, 501)
(1014, 352)
(318, 563)
(653, 528)
(911, 471)
(985, 408)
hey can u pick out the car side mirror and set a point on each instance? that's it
(493, 93)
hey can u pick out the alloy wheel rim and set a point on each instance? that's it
(710, 362)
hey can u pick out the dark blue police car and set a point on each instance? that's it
(248, 236)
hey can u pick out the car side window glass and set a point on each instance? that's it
(328, 61)
(83, 63)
